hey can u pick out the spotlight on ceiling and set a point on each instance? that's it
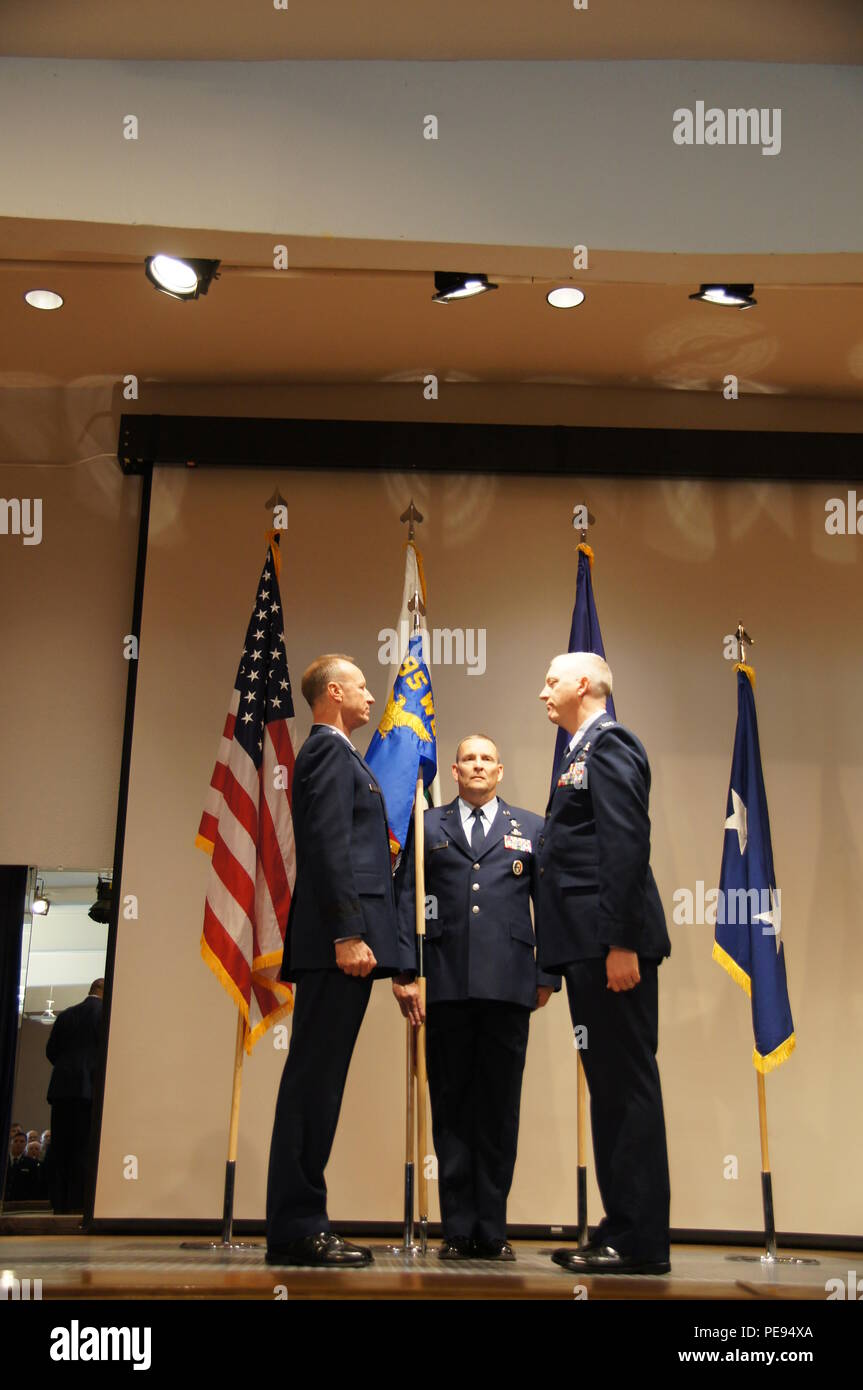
(40, 905)
(565, 297)
(450, 285)
(43, 299)
(101, 909)
(735, 296)
(181, 279)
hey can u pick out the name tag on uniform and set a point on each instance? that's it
(516, 842)
(575, 776)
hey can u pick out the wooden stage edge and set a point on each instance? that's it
(84, 1267)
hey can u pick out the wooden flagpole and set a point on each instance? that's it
(421, 1075)
(770, 1256)
(581, 1080)
(227, 1241)
(581, 1150)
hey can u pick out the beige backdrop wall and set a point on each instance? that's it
(678, 564)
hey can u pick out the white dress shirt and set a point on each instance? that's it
(489, 811)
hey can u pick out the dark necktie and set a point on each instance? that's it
(477, 834)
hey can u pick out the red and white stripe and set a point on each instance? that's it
(247, 821)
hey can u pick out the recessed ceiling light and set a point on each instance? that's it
(43, 299)
(565, 297)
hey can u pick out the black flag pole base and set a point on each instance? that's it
(408, 1246)
(583, 1233)
(768, 1259)
(770, 1256)
(227, 1242)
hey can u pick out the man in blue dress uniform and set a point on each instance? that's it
(600, 921)
(341, 935)
(482, 983)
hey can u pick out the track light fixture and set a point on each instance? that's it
(452, 285)
(734, 296)
(101, 909)
(181, 279)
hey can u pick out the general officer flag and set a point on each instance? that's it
(748, 921)
(584, 636)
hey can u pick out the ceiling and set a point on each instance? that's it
(64, 951)
(781, 31)
(362, 313)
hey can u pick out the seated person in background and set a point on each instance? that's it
(23, 1175)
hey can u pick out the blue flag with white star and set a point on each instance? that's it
(748, 921)
(584, 636)
(405, 741)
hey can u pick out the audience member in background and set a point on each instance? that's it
(23, 1175)
(73, 1048)
(49, 1177)
(34, 1151)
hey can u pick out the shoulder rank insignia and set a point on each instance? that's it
(607, 723)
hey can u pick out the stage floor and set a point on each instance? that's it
(156, 1267)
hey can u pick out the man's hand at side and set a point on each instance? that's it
(621, 969)
(407, 993)
(354, 957)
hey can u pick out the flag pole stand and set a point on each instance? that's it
(416, 1109)
(581, 1134)
(422, 1124)
(408, 1245)
(227, 1242)
(770, 1256)
(421, 1074)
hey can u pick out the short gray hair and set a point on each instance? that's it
(589, 664)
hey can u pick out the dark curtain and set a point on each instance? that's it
(13, 889)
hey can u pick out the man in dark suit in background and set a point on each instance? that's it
(341, 935)
(73, 1048)
(482, 983)
(600, 921)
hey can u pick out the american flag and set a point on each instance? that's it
(247, 827)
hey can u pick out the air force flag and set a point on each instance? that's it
(405, 741)
(748, 943)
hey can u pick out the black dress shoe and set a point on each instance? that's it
(325, 1248)
(493, 1250)
(456, 1248)
(603, 1259)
